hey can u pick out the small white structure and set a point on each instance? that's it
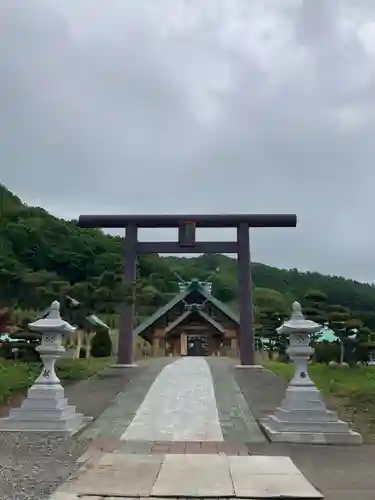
(303, 416)
(45, 409)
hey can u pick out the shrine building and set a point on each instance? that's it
(193, 323)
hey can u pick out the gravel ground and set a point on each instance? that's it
(32, 465)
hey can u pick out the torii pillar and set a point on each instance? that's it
(187, 243)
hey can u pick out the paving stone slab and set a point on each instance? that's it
(118, 475)
(190, 476)
(194, 476)
(269, 477)
(258, 464)
(277, 486)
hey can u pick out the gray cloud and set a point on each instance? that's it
(259, 106)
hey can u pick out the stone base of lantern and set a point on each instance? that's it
(304, 418)
(45, 409)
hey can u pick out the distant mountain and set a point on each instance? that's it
(42, 257)
(8, 201)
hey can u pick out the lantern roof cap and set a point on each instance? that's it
(297, 322)
(51, 321)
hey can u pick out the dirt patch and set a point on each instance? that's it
(358, 412)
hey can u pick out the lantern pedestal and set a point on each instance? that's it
(303, 416)
(45, 409)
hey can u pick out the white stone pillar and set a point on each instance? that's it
(303, 416)
(45, 408)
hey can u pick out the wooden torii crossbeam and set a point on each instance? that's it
(187, 243)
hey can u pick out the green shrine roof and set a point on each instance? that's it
(194, 286)
(326, 335)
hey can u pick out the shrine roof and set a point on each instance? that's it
(178, 321)
(194, 286)
(328, 335)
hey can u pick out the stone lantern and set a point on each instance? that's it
(45, 408)
(303, 416)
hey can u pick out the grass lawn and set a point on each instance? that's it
(17, 377)
(349, 391)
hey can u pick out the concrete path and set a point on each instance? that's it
(180, 406)
(181, 434)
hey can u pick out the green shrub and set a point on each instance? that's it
(6, 350)
(20, 350)
(326, 352)
(101, 345)
(27, 352)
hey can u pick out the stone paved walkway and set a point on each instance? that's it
(181, 433)
(180, 406)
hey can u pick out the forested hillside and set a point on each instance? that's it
(42, 257)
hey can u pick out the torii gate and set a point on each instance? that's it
(187, 243)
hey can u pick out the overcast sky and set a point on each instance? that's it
(118, 106)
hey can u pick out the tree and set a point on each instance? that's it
(343, 324)
(266, 298)
(364, 344)
(223, 291)
(101, 344)
(269, 321)
(5, 316)
(315, 306)
(315, 309)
